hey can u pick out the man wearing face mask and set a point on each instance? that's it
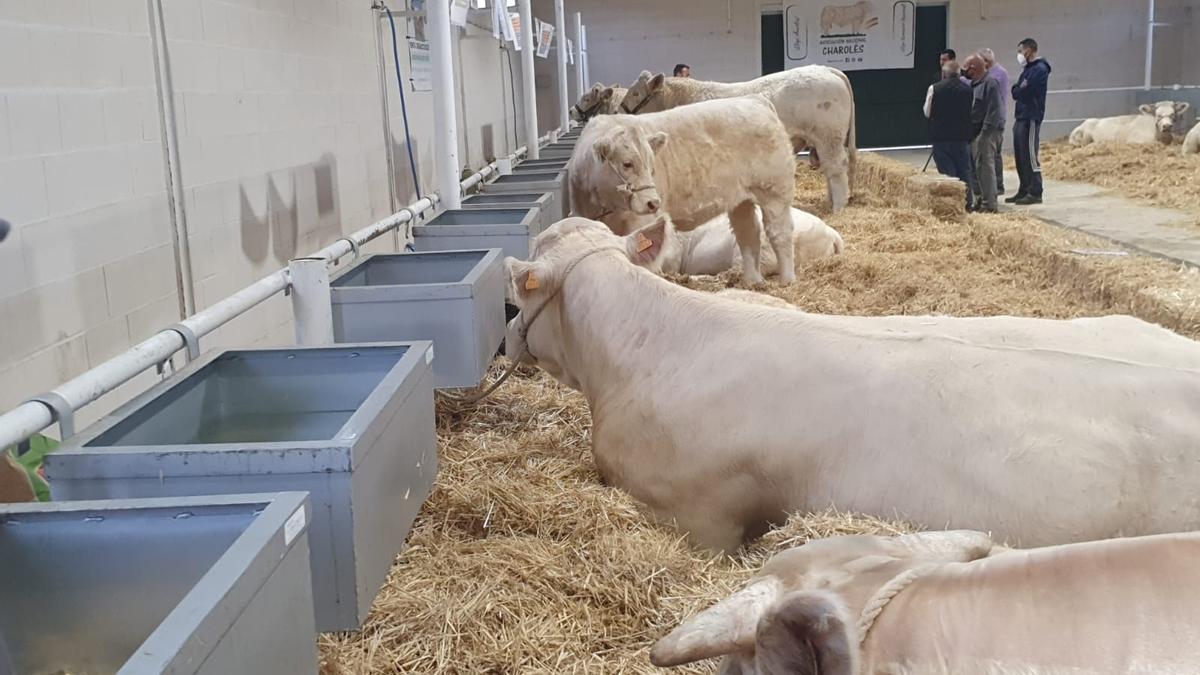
(1030, 94)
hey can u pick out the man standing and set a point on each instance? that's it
(949, 113)
(987, 129)
(999, 74)
(682, 70)
(1030, 95)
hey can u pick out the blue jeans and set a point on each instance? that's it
(953, 158)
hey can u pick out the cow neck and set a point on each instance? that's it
(606, 306)
(684, 90)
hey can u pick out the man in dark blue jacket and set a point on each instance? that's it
(1030, 94)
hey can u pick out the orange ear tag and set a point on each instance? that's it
(643, 243)
(532, 283)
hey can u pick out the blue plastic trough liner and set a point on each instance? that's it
(511, 230)
(352, 425)
(453, 298)
(194, 585)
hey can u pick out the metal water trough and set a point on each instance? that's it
(515, 200)
(453, 298)
(544, 164)
(511, 230)
(191, 586)
(352, 425)
(554, 181)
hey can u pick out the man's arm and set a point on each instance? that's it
(993, 105)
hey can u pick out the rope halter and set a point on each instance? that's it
(641, 104)
(885, 594)
(585, 115)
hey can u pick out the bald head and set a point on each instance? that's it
(975, 67)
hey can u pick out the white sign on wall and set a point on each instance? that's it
(865, 35)
(512, 32)
(545, 37)
(420, 65)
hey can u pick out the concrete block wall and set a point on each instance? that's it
(281, 147)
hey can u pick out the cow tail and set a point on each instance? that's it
(851, 133)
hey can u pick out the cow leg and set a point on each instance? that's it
(777, 222)
(835, 164)
(745, 231)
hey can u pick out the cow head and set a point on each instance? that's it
(537, 332)
(1167, 115)
(626, 179)
(593, 102)
(642, 95)
(799, 614)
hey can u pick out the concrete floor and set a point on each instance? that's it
(1098, 211)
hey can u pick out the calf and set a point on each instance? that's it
(599, 100)
(948, 602)
(724, 416)
(815, 104)
(712, 248)
(1191, 142)
(1156, 123)
(693, 163)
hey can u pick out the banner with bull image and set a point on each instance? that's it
(865, 35)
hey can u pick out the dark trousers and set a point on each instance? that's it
(1000, 172)
(1027, 137)
(953, 158)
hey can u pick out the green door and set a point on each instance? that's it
(888, 102)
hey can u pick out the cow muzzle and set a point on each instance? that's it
(643, 199)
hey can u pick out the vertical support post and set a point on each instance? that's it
(445, 108)
(587, 73)
(1149, 46)
(527, 81)
(564, 104)
(579, 86)
(312, 307)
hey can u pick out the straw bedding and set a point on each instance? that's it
(523, 562)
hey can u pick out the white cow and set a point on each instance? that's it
(1156, 123)
(724, 416)
(815, 103)
(852, 16)
(694, 163)
(712, 248)
(1191, 142)
(949, 603)
(599, 100)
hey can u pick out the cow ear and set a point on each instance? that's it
(657, 140)
(944, 545)
(528, 278)
(606, 94)
(657, 81)
(647, 244)
(602, 148)
(1146, 109)
(644, 75)
(724, 628)
(1182, 107)
(596, 87)
(806, 633)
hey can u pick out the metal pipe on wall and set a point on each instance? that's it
(527, 81)
(564, 105)
(445, 113)
(1149, 46)
(583, 50)
(388, 146)
(580, 88)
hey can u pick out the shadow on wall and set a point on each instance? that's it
(406, 192)
(302, 212)
(487, 136)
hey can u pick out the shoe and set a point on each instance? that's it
(985, 209)
(1013, 199)
(1027, 200)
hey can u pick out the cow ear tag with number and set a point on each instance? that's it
(532, 283)
(643, 243)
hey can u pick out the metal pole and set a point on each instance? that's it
(1149, 46)
(445, 113)
(579, 87)
(564, 102)
(388, 146)
(587, 73)
(311, 304)
(527, 81)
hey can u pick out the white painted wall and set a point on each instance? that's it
(281, 147)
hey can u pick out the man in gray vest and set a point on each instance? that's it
(987, 127)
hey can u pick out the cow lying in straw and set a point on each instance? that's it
(693, 163)
(712, 248)
(949, 603)
(815, 103)
(599, 100)
(1191, 142)
(1156, 123)
(724, 416)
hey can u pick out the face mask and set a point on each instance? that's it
(1021, 58)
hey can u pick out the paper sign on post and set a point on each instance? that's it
(570, 52)
(420, 65)
(545, 38)
(458, 12)
(512, 30)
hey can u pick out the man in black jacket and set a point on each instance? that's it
(1030, 94)
(987, 129)
(949, 114)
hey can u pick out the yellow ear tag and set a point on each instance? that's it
(643, 243)
(532, 283)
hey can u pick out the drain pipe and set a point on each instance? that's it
(170, 143)
(312, 307)
(579, 86)
(445, 116)
(564, 104)
(527, 81)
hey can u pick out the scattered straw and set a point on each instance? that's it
(523, 562)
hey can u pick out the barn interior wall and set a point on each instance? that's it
(281, 149)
